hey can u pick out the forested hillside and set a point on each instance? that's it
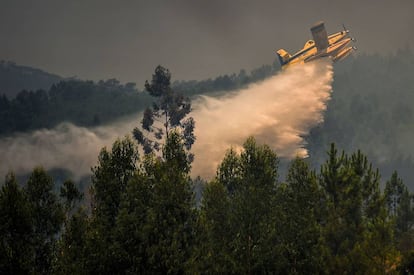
(139, 215)
(89, 103)
(15, 78)
(371, 109)
(85, 103)
(143, 217)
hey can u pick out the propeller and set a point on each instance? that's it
(345, 30)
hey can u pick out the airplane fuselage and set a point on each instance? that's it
(337, 42)
(335, 46)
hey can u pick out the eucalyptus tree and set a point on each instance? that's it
(168, 112)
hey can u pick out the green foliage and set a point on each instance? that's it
(242, 202)
(110, 178)
(336, 221)
(143, 212)
(47, 218)
(399, 205)
(70, 193)
(370, 110)
(30, 220)
(171, 218)
(168, 113)
(213, 253)
(355, 221)
(131, 229)
(144, 219)
(300, 230)
(84, 103)
(72, 247)
(16, 231)
(109, 181)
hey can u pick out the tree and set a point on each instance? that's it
(71, 196)
(109, 181)
(110, 178)
(16, 230)
(73, 255)
(155, 225)
(213, 253)
(131, 230)
(399, 210)
(47, 217)
(300, 231)
(354, 224)
(171, 217)
(168, 112)
(250, 181)
(377, 250)
(255, 210)
(398, 201)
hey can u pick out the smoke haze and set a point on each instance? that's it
(66, 146)
(100, 39)
(277, 111)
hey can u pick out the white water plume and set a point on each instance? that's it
(277, 111)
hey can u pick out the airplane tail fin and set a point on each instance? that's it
(284, 56)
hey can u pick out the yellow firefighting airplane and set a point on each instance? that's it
(335, 46)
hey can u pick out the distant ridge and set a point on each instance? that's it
(15, 78)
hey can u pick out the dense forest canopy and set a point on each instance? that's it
(142, 218)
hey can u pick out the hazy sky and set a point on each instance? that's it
(195, 39)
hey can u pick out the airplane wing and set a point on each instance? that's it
(320, 36)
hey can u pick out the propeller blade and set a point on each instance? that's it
(345, 30)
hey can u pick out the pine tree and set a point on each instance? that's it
(400, 211)
(354, 223)
(399, 206)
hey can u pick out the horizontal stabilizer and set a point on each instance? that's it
(283, 56)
